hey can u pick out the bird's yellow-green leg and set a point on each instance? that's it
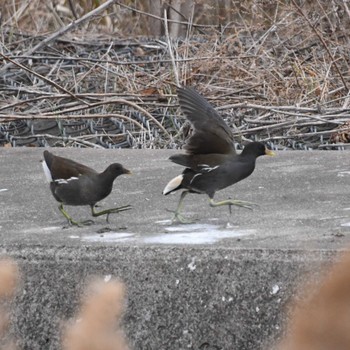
(177, 215)
(109, 211)
(230, 202)
(70, 219)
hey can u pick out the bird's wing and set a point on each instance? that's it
(210, 179)
(195, 161)
(63, 168)
(211, 133)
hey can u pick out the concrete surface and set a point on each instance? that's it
(220, 283)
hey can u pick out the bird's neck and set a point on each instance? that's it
(248, 157)
(107, 176)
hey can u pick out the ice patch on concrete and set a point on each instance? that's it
(52, 228)
(42, 229)
(163, 222)
(3, 189)
(191, 228)
(343, 173)
(196, 234)
(177, 234)
(346, 224)
(109, 237)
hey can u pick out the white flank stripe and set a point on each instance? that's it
(61, 181)
(199, 174)
(64, 181)
(207, 168)
(73, 178)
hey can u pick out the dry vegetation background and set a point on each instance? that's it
(278, 71)
(72, 74)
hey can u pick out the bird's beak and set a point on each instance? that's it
(128, 172)
(268, 152)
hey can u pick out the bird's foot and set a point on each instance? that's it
(107, 212)
(86, 222)
(243, 204)
(72, 222)
(179, 218)
(231, 202)
(119, 209)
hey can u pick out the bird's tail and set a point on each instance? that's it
(173, 184)
(46, 171)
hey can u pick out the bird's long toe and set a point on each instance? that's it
(179, 218)
(109, 211)
(233, 202)
(245, 204)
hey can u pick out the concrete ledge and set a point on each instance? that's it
(221, 283)
(178, 298)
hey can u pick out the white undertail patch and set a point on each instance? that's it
(47, 171)
(173, 184)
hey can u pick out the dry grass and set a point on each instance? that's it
(9, 278)
(322, 320)
(94, 327)
(9, 275)
(278, 72)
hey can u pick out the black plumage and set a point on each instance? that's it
(211, 161)
(72, 183)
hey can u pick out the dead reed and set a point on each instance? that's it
(322, 320)
(278, 71)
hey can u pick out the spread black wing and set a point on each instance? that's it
(211, 134)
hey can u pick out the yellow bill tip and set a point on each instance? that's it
(268, 152)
